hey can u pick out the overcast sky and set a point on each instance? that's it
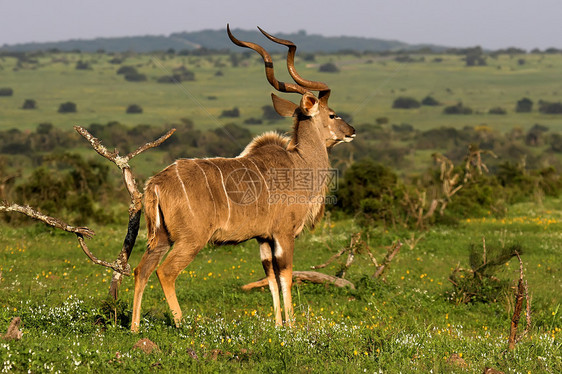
(489, 23)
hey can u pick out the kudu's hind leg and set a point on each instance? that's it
(266, 254)
(180, 256)
(283, 264)
(148, 263)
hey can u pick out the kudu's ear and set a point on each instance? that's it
(309, 105)
(284, 107)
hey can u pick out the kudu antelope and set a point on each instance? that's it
(196, 201)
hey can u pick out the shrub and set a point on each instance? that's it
(68, 107)
(269, 113)
(6, 91)
(550, 108)
(253, 121)
(403, 127)
(381, 120)
(368, 188)
(497, 110)
(232, 113)
(127, 70)
(405, 103)
(82, 65)
(116, 61)
(475, 60)
(133, 109)
(524, 105)
(459, 108)
(44, 128)
(135, 77)
(29, 104)
(430, 101)
(181, 74)
(328, 67)
(480, 283)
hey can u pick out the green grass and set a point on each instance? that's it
(365, 88)
(405, 324)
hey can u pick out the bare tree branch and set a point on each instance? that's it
(136, 198)
(392, 251)
(519, 294)
(51, 221)
(80, 232)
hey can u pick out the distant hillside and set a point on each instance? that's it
(217, 40)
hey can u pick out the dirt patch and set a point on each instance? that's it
(13, 332)
(146, 345)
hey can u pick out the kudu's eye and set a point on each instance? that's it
(332, 116)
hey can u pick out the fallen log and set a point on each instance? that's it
(308, 276)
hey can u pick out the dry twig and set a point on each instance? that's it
(392, 251)
(522, 291)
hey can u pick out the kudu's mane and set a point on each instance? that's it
(265, 139)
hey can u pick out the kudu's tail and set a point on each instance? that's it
(154, 219)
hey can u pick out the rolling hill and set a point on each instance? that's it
(217, 40)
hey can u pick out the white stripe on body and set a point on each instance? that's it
(184, 190)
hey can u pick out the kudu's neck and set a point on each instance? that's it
(309, 144)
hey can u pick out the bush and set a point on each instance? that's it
(403, 127)
(497, 110)
(524, 105)
(135, 77)
(232, 113)
(459, 108)
(475, 60)
(550, 108)
(405, 103)
(269, 113)
(127, 70)
(430, 101)
(480, 283)
(44, 128)
(6, 91)
(29, 104)
(68, 107)
(328, 67)
(181, 74)
(253, 121)
(133, 109)
(381, 120)
(369, 188)
(81, 65)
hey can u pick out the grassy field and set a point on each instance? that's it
(365, 88)
(406, 324)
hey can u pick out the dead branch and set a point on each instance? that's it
(519, 294)
(51, 221)
(80, 232)
(392, 251)
(136, 198)
(309, 276)
(331, 259)
(354, 246)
